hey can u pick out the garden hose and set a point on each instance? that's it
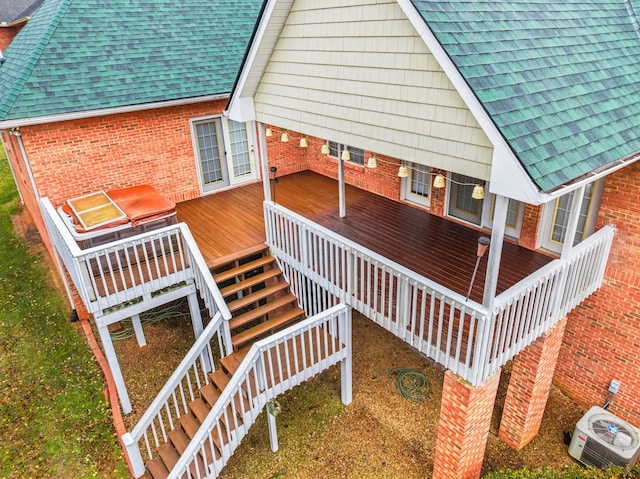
(410, 383)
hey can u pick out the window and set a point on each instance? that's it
(417, 186)
(461, 204)
(224, 151)
(515, 214)
(336, 149)
(556, 217)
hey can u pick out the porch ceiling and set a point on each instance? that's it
(440, 249)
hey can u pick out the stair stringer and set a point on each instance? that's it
(326, 339)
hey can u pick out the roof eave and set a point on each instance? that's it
(79, 115)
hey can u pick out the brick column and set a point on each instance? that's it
(463, 427)
(529, 388)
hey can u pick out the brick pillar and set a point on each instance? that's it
(463, 427)
(529, 388)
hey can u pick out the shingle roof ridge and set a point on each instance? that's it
(48, 17)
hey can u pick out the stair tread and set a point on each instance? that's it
(168, 454)
(252, 315)
(238, 255)
(276, 322)
(249, 282)
(189, 423)
(226, 275)
(199, 409)
(257, 296)
(220, 379)
(231, 362)
(210, 394)
(179, 439)
(156, 468)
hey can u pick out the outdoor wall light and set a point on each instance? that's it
(372, 162)
(303, 143)
(403, 171)
(268, 132)
(285, 137)
(346, 156)
(325, 149)
(438, 181)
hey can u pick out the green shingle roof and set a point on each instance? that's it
(83, 55)
(560, 78)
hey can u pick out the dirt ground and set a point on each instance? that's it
(380, 435)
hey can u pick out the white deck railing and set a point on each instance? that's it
(173, 400)
(462, 336)
(271, 367)
(132, 269)
(535, 304)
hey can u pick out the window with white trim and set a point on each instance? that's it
(416, 188)
(336, 149)
(555, 218)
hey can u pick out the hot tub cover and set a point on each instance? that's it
(138, 203)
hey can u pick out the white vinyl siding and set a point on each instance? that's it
(374, 86)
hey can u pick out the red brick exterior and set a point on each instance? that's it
(529, 386)
(463, 427)
(602, 340)
(7, 34)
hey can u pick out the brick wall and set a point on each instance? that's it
(602, 339)
(463, 427)
(7, 34)
(73, 158)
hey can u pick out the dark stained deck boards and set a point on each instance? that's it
(438, 248)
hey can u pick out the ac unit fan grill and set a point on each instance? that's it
(597, 454)
(613, 433)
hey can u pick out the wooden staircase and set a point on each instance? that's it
(261, 303)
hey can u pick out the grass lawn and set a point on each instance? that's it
(54, 418)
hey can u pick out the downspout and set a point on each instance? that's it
(264, 162)
(32, 179)
(13, 173)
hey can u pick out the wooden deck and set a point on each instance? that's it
(442, 250)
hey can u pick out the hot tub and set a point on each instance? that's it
(107, 216)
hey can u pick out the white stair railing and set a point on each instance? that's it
(461, 335)
(173, 400)
(271, 367)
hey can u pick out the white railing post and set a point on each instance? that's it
(344, 335)
(133, 453)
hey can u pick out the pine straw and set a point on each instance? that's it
(380, 435)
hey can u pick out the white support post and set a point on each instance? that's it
(341, 188)
(273, 432)
(114, 366)
(196, 317)
(495, 251)
(137, 328)
(346, 388)
(133, 452)
(264, 162)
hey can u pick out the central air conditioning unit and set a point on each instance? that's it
(602, 439)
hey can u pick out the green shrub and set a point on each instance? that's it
(573, 472)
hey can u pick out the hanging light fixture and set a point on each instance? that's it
(403, 171)
(325, 149)
(346, 156)
(438, 181)
(303, 142)
(285, 137)
(268, 132)
(372, 162)
(478, 192)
